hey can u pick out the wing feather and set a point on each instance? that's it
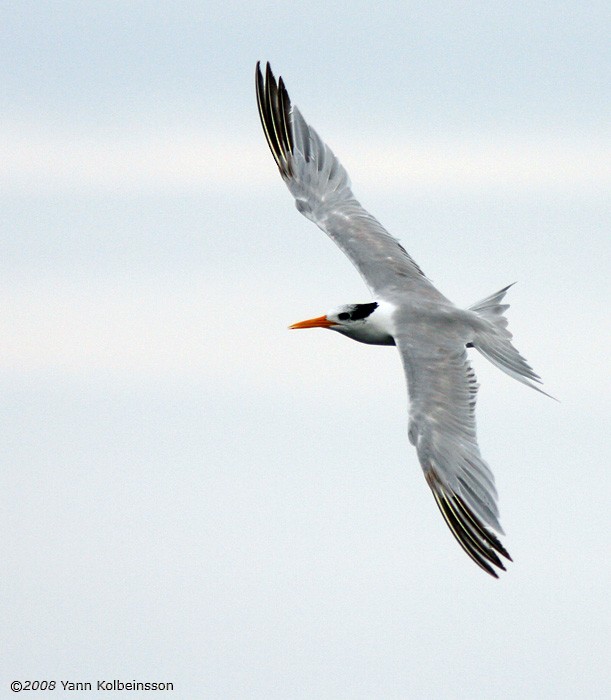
(443, 390)
(322, 192)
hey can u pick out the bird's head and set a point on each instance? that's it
(353, 320)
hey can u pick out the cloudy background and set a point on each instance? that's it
(190, 492)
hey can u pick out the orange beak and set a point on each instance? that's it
(319, 322)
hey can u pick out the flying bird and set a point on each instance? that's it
(431, 334)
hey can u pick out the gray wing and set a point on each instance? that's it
(321, 188)
(442, 390)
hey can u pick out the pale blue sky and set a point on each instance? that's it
(192, 493)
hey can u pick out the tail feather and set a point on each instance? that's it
(492, 309)
(494, 342)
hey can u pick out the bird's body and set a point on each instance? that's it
(430, 332)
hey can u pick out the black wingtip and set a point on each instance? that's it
(274, 107)
(473, 536)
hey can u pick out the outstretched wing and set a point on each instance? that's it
(442, 390)
(321, 188)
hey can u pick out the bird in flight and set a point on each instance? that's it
(431, 334)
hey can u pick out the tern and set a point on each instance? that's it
(430, 332)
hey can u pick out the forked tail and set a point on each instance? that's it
(494, 343)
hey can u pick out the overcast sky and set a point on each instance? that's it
(191, 492)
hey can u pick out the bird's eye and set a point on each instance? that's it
(344, 316)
